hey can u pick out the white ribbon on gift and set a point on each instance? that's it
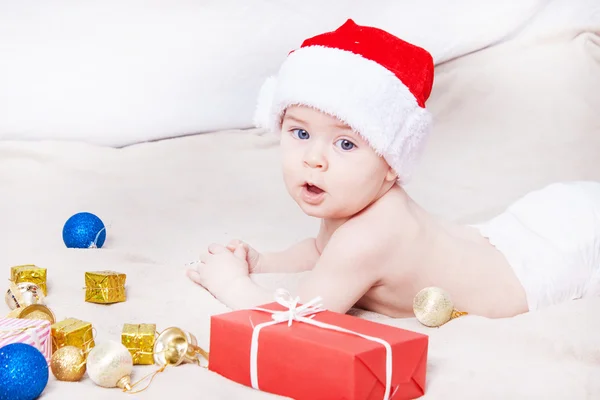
(301, 314)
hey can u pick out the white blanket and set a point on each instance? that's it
(509, 119)
(165, 201)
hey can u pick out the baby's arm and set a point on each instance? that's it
(349, 266)
(300, 257)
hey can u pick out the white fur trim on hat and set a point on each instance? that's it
(360, 92)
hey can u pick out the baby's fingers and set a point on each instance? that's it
(233, 244)
(241, 252)
(204, 257)
(194, 276)
(216, 249)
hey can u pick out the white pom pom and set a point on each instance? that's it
(263, 115)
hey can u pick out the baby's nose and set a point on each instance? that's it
(315, 158)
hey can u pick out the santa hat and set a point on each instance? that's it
(373, 81)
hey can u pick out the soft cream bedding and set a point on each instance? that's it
(509, 119)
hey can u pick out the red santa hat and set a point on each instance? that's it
(369, 79)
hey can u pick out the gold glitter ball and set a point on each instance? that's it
(39, 315)
(433, 306)
(68, 364)
(37, 311)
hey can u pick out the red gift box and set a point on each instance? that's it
(304, 361)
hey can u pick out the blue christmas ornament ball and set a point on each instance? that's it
(84, 230)
(23, 372)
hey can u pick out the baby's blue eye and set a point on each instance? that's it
(300, 134)
(345, 144)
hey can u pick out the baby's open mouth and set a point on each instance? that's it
(313, 189)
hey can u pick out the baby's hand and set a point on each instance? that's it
(253, 256)
(219, 270)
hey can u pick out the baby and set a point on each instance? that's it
(350, 108)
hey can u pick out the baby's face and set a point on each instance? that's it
(329, 170)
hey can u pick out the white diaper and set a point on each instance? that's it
(551, 237)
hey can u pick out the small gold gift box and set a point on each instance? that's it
(105, 287)
(29, 273)
(72, 332)
(139, 340)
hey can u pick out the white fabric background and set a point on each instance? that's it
(122, 72)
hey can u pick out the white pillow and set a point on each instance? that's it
(122, 72)
(510, 119)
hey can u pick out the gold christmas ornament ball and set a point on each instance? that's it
(39, 315)
(433, 307)
(37, 311)
(68, 364)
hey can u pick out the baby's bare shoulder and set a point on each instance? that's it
(366, 235)
(371, 237)
(381, 221)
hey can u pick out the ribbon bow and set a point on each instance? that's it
(293, 312)
(305, 314)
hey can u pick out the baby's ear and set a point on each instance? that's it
(391, 175)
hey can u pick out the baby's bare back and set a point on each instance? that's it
(420, 250)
